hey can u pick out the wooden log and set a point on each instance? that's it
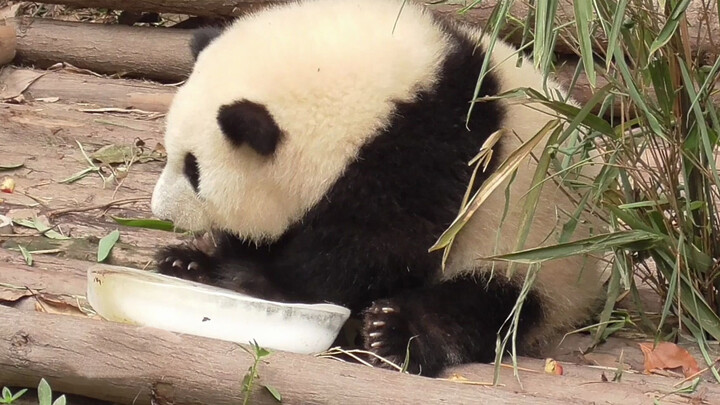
(140, 365)
(69, 86)
(165, 61)
(113, 49)
(704, 30)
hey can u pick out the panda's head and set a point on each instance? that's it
(278, 105)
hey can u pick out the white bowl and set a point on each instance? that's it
(139, 297)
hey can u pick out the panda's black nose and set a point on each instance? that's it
(192, 171)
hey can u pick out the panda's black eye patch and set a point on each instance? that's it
(245, 122)
(192, 171)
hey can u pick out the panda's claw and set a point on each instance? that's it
(386, 332)
(186, 263)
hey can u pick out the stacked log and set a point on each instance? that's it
(161, 53)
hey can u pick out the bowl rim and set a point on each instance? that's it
(157, 280)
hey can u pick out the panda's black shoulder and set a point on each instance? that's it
(202, 37)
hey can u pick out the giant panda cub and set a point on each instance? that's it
(325, 144)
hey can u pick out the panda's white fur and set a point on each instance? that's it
(338, 69)
(331, 84)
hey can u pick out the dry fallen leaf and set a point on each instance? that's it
(16, 81)
(668, 356)
(553, 367)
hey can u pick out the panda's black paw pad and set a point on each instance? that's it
(185, 263)
(386, 332)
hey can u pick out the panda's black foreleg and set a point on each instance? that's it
(452, 322)
(228, 267)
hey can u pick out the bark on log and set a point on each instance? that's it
(153, 53)
(129, 364)
(705, 31)
(7, 42)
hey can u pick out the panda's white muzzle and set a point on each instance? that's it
(174, 199)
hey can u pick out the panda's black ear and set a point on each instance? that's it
(202, 38)
(245, 122)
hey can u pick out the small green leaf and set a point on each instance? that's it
(40, 227)
(18, 394)
(262, 352)
(26, 255)
(46, 231)
(114, 154)
(247, 380)
(274, 392)
(106, 244)
(146, 223)
(60, 400)
(44, 393)
(6, 394)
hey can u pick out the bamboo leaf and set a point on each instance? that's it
(614, 36)
(11, 167)
(604, 242)
(533, 196)
(635, 94)
(574, 114)
(670, 27)
(505, 169)
(106, 244)
(41, 227)
(583, 18)
(707, 147)
(26, 255)
(79, 175)
(147, 223)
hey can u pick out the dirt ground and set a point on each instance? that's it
(42, 125)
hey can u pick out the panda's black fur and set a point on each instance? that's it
(365, 244)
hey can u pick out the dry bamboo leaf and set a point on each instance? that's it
(63, 304)
(668, 356)
(604, 360)
(10, 293)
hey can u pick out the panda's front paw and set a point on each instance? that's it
(186, 263)
(387, 332)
